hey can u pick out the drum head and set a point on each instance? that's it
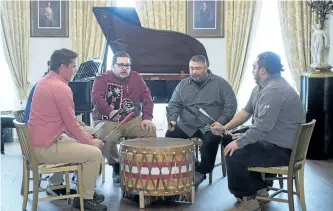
(157, 143)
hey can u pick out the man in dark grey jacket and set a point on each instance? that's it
(209, 93)
(277, 113)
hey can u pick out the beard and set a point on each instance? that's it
(256, 78)
(199, 78)
(121, 76)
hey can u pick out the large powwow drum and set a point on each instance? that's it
(157, 167)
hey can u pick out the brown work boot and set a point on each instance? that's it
(264, 193)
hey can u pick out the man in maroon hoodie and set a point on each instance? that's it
(108, 92)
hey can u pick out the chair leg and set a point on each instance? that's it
(35, 176)
(210, 178)
(290, 191)
(280, 181)
(296, 182)
(197, 152)
(300, 183)
(23, 179)
(223, 163)
(80, 188)
(103, 170)
(67, 186)
(25, 185)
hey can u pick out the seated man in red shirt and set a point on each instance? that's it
(109, 93)
(57, 137)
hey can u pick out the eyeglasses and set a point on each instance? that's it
(122, 65)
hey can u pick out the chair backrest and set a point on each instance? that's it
(19, 115)
(25, 142)
(302, 141)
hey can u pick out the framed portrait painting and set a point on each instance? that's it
(49, 18)
(205, 18)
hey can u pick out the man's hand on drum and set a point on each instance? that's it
(97, 143)
(147, 124)
(217, 129)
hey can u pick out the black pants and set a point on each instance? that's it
(208, 150)
(241, 182)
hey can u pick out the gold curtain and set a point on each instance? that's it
(296, 24)
(164, 15)
(87, 37)
(15, 32)
(239, 24)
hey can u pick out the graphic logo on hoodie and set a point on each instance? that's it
(114, 95)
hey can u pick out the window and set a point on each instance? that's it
(120, 3)
(8, 92)
(266, 36)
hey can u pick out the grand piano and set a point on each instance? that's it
(160, 56)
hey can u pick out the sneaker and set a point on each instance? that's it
(199, 178)
(98, 198)
(115, 174)
(89, 204)
(59, 192)
(264, 193)
(249, 204)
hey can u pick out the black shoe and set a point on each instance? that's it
(197, 164)
(115, 174)
(59, 192)
(199, 178)
(89, 204)
(98, 198)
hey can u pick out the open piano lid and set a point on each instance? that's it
(152, 51)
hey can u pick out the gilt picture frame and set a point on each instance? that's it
(205, 19)
(49, 18)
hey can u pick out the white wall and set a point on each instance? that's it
(41, 49)
(40, 52)
(216, 51)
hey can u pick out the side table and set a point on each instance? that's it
(6, 122)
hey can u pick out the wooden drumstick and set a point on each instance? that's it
(118, 112)
(130, 115)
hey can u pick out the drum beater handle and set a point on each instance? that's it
(130, 115)
(118, 112)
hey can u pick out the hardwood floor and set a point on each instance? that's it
(214, 197)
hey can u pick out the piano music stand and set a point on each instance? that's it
(88, 70)
(81, 86)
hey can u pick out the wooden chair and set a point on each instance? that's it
(294, 171)
(30, 164)
(19, 115)
(197, 143)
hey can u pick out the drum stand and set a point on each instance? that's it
(145, 201)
